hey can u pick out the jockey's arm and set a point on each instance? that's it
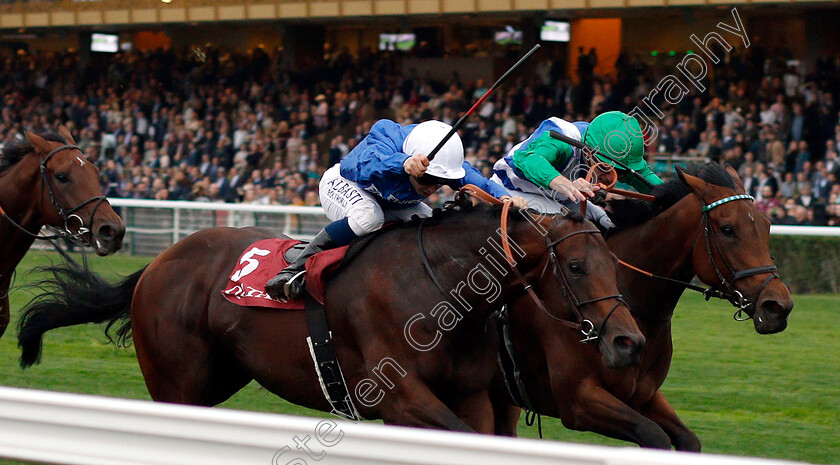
(537, 161)
(377, 162)
(474, 177)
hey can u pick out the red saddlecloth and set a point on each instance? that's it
(262, 260)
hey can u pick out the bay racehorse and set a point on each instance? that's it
(414, 352)
(700, 225)
(47, 181)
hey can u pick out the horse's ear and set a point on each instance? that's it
(65, 133)
(696, 184)
(739, 185)
(38, 143)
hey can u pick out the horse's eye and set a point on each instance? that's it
(62, 178)
(576, 267)
(727, 230)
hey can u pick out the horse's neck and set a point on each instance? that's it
(20, 204)
(662, 246)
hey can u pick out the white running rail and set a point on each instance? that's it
(52, 427)
(154, 225)
(825, 231)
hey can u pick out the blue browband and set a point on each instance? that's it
(725, 200)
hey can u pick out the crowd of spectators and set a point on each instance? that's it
(217, 125)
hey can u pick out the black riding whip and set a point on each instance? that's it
(460, 122)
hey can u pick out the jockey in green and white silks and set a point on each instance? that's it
(549, 173)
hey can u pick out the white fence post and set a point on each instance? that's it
(176, 223)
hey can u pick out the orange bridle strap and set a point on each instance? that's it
(475, 191)
(610, 186)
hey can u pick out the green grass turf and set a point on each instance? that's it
(743, 394)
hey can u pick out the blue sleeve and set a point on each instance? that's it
(474, 177)
(377, 163)
(380, 158)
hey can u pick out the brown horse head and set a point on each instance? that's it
(732, 253)
(66, 190)
(581, 275)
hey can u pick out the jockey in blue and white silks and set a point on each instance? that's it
(549, 173)
(385, 177)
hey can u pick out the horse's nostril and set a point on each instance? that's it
(624, 341)
(775, 309)
(106, 232)
(629, 344)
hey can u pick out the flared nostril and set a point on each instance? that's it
(625, 344)
(106, 232)
(629, 345)
(776, 309)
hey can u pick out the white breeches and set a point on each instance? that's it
(345, 199)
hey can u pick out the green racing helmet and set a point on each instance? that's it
(618, 138)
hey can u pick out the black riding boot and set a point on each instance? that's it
(289, 283)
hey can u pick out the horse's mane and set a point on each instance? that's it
(626, 213)
(13, 152)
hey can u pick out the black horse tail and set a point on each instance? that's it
(74, 295)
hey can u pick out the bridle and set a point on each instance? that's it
(67, 215)
(585, 326)
(731, 294)
(735, 297)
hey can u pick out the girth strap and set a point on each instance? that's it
(322, 350)
(507, 364)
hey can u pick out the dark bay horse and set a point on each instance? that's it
(413, 353)
(47, 181)
(727, 247)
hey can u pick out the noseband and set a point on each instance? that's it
(69, 216)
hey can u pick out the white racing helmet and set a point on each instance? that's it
(449, 161)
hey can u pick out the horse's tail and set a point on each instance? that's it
(74, 295)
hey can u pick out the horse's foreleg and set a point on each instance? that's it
(598, 411)
(506, 417)
(661, 412)
(415, 405)
(477, 411)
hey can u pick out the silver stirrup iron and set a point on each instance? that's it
(288, 285)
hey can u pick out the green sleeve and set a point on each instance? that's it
(538, 161)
